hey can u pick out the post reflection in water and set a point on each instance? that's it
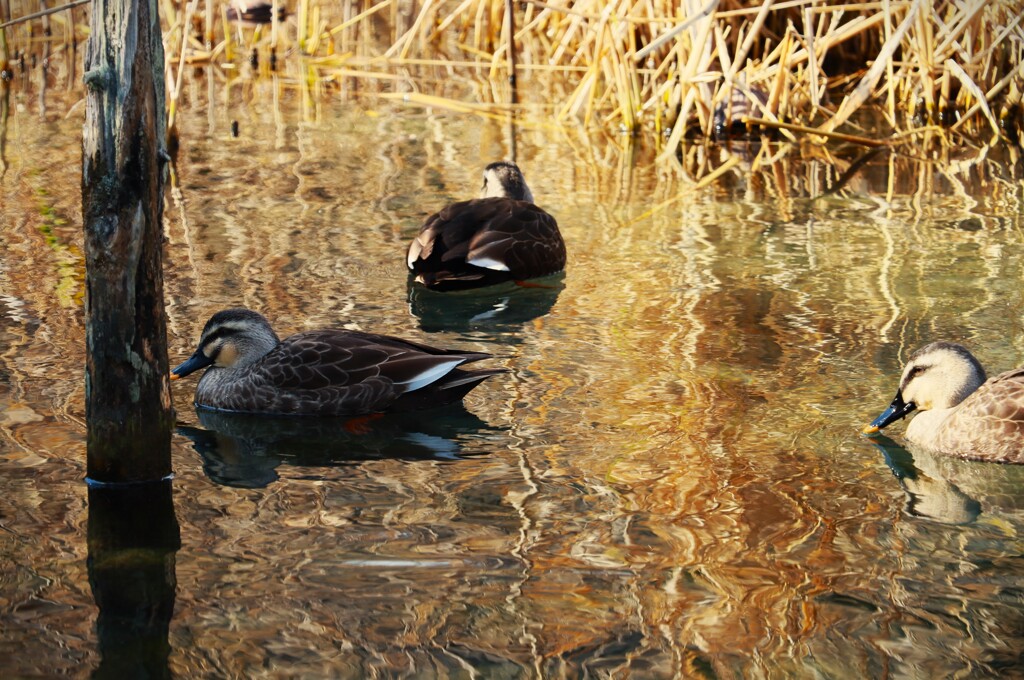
(244, 450)
(133, 540)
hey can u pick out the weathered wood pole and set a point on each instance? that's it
(128, 405)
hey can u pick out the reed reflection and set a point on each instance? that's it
(243, 450)
(499, 310)
(763, 170)
(133, 539)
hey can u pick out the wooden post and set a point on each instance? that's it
(128, 405)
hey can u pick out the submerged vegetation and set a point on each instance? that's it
(871, 73)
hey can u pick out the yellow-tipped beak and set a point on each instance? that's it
(869, 430)
(175, 376)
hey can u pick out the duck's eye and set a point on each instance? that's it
(212, 348)
(916, 371)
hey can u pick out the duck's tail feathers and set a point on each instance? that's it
(468, 379)
(448, 390)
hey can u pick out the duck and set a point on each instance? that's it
(329, 372)
(499, 237)
(961, 413)
(254, 12)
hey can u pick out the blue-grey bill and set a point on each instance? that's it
(897, 409)
(192, 364)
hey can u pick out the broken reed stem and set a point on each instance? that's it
(838, 136)
(705, 12)
(44, 62)
(991, 94)
(43, 13)
(510, 46)
(208, 25)
(175, 91)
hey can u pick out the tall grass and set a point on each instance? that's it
(805, 69)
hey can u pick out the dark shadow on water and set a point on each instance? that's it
(931, 497)
(133, 539)
(243, 450)
(498, 309)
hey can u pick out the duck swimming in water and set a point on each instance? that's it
(501, 236)
(323, 372)
(961, 413)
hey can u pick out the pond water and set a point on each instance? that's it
(668, 482)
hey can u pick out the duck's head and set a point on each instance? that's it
(232, 338)
(504, 179)
(937, 376)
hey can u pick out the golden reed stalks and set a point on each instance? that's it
(675, 67)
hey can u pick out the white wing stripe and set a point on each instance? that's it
(488, 263)
(430, 375)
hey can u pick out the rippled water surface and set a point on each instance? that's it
(669, 482)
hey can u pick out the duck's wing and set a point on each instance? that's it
(446, 234)
(346, 372)
(1000, 400)
(471, 240)
(521, 239)
(989, 424)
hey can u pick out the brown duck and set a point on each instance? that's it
(961, 413)
(323, 372)
(501, 236)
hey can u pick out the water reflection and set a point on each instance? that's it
(784, 171)
(133, 541)
(496, 310)
(927, 496)
(244, 450)
(680, 492)
(950, 490)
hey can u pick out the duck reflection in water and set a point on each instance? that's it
(928, 497)
(244, 450)
(499, 310)
(951, 490)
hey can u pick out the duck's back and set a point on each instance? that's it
(988, 424)
(485, 241)
(332, 372)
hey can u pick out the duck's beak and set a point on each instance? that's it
(194, 363)
(897, 409)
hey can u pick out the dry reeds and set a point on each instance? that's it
(806, 69)
(698, 66)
